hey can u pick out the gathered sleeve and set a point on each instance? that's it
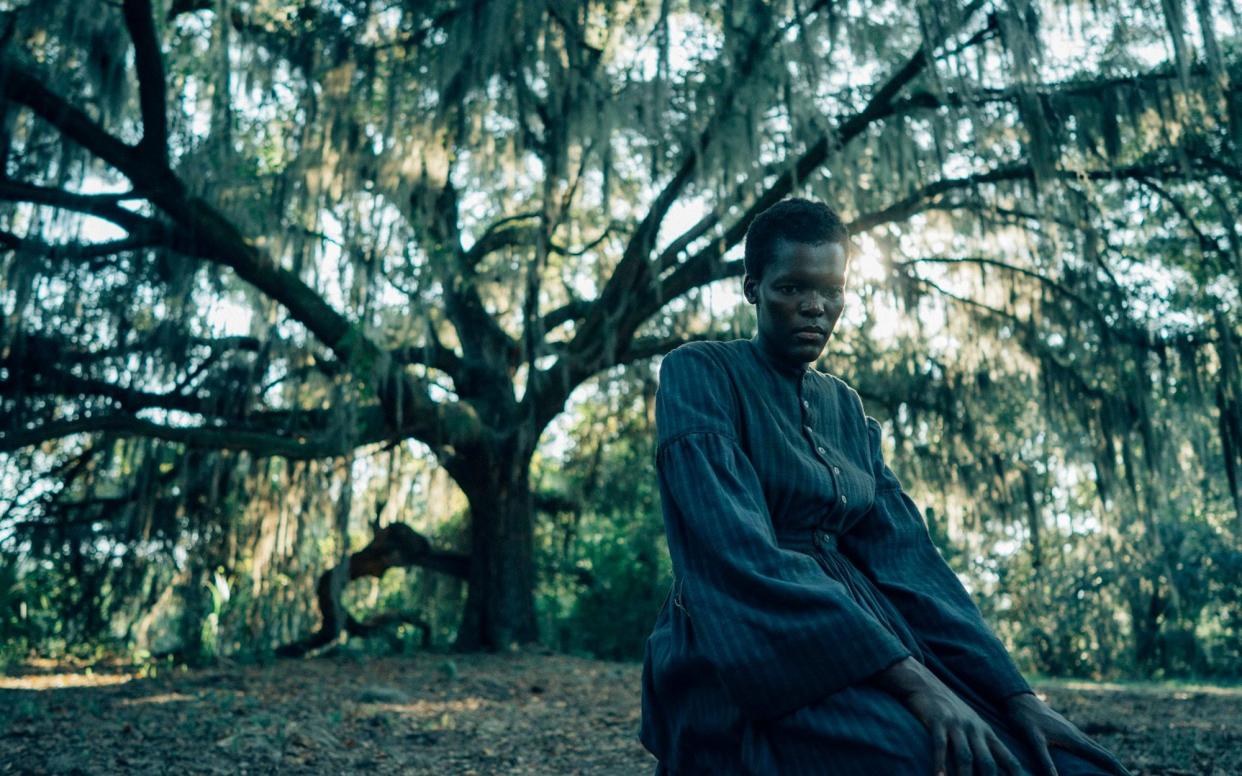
(891, 545)
(778, 630)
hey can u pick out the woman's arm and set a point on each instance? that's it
(891, 545)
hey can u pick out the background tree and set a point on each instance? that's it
(243, 235)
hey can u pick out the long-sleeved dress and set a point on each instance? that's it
(801, 568)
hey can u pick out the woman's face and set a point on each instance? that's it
(799, 299)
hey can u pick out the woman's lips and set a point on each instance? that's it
(809, 335)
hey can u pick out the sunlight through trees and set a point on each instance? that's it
(277, 275)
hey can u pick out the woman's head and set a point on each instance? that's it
(793, 220)
(796, 262)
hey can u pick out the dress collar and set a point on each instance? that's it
(791, 370)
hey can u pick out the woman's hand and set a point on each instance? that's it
(1042, 727)
(954, 726)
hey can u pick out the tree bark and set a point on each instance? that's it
(500, 604)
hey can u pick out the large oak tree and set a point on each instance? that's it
(445, 217)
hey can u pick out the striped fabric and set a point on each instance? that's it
(801, 569)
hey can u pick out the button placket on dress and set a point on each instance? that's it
(833, 469)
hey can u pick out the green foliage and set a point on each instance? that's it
(605, 566)
(613, 613)
(1046, 319)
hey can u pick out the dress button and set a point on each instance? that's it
(806, 405)
(820, 450)
(836, 470)
(844, 500)
(807, 429)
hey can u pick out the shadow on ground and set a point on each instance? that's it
(472, 714)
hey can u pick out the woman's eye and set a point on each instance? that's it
(787, 289)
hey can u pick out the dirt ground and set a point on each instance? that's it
(463, 714)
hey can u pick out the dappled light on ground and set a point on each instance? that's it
(423, 714)
(1180, 691)
(61, 681)
(164, 697)
(467, 714)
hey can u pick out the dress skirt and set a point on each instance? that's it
(859, 730)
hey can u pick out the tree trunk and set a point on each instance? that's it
(500, 604)
(393, 546)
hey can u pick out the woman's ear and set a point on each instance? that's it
(750, 289)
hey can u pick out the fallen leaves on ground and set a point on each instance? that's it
(525, 713)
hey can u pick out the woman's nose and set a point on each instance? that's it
(812, 305)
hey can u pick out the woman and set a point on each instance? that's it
(812, 627)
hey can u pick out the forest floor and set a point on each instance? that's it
(463, 714)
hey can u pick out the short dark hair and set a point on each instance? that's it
(796, 220)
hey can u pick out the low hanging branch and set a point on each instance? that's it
(393, 546)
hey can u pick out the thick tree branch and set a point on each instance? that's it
(925, 197)
(982, 261)
(151, 88)
(485, 344)
(434, 355)
(570, 311)
(296, 434)
(71, 353)
(74, 251)
(1206, 244)
(1032, 343)
(22, 86)
(671, 253)
(633, 275)
(498, 235)
(499, 240)
(217, 438)
(32, 379)
(104, 206)
(626, 313)
(35, 371)
(394, 546)
(37, 368)
(706, 266)
(1055, 89)
(208, 234)
(643, 348)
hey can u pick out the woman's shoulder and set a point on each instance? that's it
(715, 348)
(701, 358)
(854, 422)
(841, 390)
(698, 391)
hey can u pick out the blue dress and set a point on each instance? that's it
(801, 568)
